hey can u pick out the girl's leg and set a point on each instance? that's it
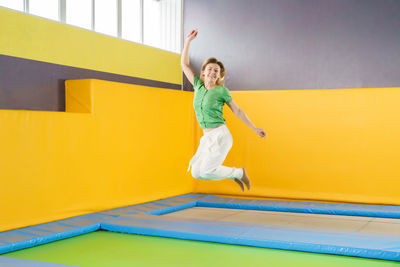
(210, 166)
(196, 160)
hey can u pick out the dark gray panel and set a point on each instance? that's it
(35, 85)
(298, 44)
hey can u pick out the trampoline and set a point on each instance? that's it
(277, 233)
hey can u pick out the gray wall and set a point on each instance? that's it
(298, 44)
(35, 85)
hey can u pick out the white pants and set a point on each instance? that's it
(211, 153)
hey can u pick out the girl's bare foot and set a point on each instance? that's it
(239, 183)
(245, 179)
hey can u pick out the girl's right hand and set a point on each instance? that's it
(192, 35)
(260, 132)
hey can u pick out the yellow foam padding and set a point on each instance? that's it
(123, 144)
(31, 37)
(336, 145)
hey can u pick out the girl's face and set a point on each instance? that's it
(212, 73)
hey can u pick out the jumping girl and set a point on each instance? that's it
(210, 95)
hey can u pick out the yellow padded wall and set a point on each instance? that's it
(337, 145)
(31, 37)
(129, 144)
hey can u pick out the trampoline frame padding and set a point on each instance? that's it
(144, 219)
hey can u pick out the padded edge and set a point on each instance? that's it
(380, 211)
(158, 207)
(11, 262)
(49, 232)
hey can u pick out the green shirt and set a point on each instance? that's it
(208, 104)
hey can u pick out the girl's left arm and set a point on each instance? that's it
(243, 117)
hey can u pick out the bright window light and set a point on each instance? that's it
(171, 25)
(13, 4)
(152, 23)
(131, 20)
(159, 25)
(44, 8)
(106, 17)
(79, 13)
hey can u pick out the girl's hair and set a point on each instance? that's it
(222, 69)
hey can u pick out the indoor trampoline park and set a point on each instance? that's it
(121, 144)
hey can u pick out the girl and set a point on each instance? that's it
(210, 95)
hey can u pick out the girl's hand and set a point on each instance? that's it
(192, 35)
(260, 132)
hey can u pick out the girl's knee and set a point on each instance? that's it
(195, 172)
(202, 174)
(207, 174)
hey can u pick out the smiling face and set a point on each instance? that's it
(212, 73)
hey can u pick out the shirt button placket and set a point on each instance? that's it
(201, 107)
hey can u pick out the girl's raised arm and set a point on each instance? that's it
(185, 62)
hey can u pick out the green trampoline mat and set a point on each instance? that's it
(102, 248)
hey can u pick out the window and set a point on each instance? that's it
(162, 24)
(155, 23)
(13, 4)
(171, 24)
(44, 8)
(152, 23)
(131, 20)
(105, 16)
(79, 13)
